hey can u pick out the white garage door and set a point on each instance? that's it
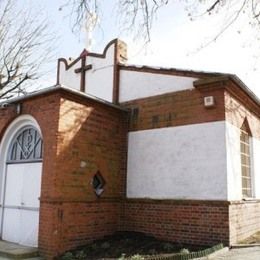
(22, 188)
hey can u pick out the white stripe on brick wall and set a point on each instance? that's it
(184, 162)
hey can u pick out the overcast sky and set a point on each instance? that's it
(175, 41)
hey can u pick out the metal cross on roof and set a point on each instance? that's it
(82, 70)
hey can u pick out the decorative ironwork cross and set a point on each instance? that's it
(82, 70)
(26, 146)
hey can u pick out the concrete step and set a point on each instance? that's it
(10, 250)
(34, 258)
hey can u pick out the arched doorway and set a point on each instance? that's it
(21, 185)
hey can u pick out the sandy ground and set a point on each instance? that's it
(249, 253)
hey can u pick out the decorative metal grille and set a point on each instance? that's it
(98, 183)
(26, 146)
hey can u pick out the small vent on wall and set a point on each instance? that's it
(134, 116)
(135, 113)
(209, 101)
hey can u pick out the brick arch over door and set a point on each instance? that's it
(21, 169)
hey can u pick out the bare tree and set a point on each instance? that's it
(25, 46)
(244, 13)
(137, 16)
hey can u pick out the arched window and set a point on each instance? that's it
(245, 150)
(26, 146)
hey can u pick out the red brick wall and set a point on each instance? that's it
(45, 109)
(6, 117)
(190, 222)
(175, 109)
(179, 221)
(91, 137)
(68, 225)
(84, 222)
(76, 130)
(49, 229)
(96, 135)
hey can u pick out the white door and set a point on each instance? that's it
(20, 220)
(21, 204)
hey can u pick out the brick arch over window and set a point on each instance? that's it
(245, 126)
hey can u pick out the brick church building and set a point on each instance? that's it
(115, 147)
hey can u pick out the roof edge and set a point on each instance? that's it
(62, 88)
(203, 83)
(169, 70)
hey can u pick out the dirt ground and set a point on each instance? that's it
(254, 239)
(127, 244)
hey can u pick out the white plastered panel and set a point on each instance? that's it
(185, 162)
(135, 85)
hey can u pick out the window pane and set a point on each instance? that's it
(245, 162)
(242, 148)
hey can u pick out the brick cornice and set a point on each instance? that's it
(192, 202)
(243, 202)
(150, 201)
(61, 200)
(178, 201)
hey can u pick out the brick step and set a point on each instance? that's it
(10, 250)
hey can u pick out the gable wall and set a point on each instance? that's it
(101, 76)
(99, 80)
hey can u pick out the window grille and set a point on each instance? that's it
(26, 146)
(245, 162)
